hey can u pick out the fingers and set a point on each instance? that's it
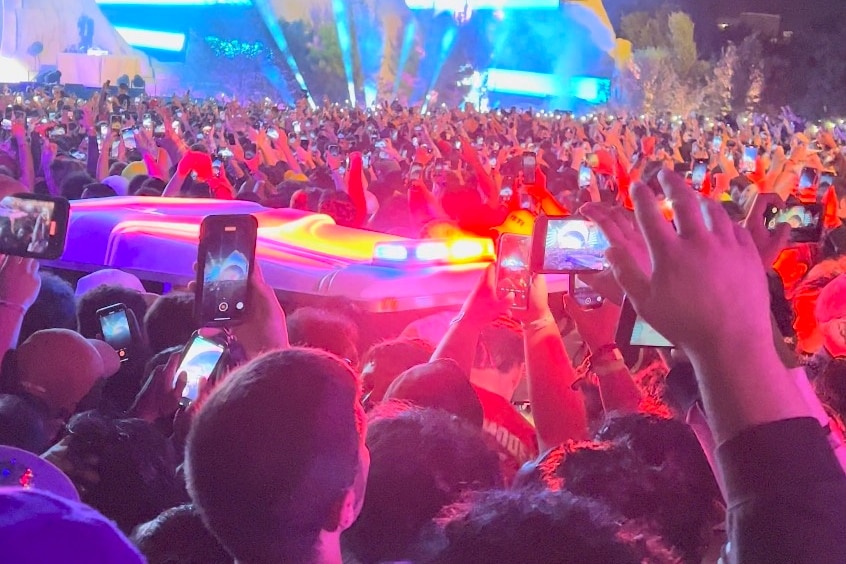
(717, 220)
(180, 384)
(657, 231)
(630, 276)
(687, 211)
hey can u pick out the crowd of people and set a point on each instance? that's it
(486, 434)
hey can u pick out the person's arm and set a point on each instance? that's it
(19, 286)
(557, 409)
(103, 159)
(24, 155)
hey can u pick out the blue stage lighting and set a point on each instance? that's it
(345, 42)
(459, 5)
(152, 39)
(407, 45)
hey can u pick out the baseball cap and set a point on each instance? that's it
(113, 277)
(133, 169)
(37, 527)
(117, 183)
(62, 386)
(440, 384)
(831, 303)
(23, 469)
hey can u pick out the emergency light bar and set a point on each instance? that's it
(436, 252)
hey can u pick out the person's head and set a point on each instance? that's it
(679, 504)
(286, 432)
(831, 316)
(152, 183)
(62, 169)
(42, 527)
(88, 322)
(137, 182)
(60, 386)
(440, 384)
(178, 536)
(831, 387)
(534, 527)
(500, 361)
(326, 330)
(21, 425)
(74, 185)
(421, 460)
(135, 467)
(54, 308)
(98, 190)
(170, 322)
(381, 365)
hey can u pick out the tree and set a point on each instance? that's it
(682, 44)
(645, 30)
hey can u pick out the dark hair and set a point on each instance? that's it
(135, 465)
(149, 192)
(384, 361)
(830, 386)
(283, 432)
(74, 184)
(137, 182)
(178, 536)
(98, 190)
(170, 322)
(534, 527)
(103, 296)
(54, 308)
(500, 346)
(326, 330)
(153, 183)
(652, 483)
(22, 425)
(421, 460)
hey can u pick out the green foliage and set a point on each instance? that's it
(682, 44)
(646, 30)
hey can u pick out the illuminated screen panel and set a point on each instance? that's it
(175, 2)
(460, 5)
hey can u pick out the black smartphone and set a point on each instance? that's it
(584, 176)
(513, 269)
(225, 260)
(201, 358)
(334, 150)
(33, 226)
(128, 135)
(585, 297)
(633, 331)
(506, 192)
(530, 164)
(568, 244)
(805, 221)
(808, 179)
(115, 329)
(700, 169)
(116, 121)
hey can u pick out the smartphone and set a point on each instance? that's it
(513, 269)
(147, 121)
(717, 143)
(530, 164)
(380, 144)
(568, 244)
(365, 160)
(128, 137)
(750, 154)
(584, 176)
(33, 226)
(700, 169)
(633, 331)
(225, 153)
(115, 329)
(104, 129)
(415, 172)
(808, 178)
(225, 260)
(117, 121)
(827, 179)
(297, 128)
(201, 357)
(272, 133)
(585, 297)
(805, 221)
(334, 150)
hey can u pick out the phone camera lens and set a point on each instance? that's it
(223, 306)
(239, 306)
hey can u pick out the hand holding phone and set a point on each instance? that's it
(513, 269)
(202, 357)
(225, 259)
(805, 221)
(119, 328)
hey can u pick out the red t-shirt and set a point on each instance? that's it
(514, 435)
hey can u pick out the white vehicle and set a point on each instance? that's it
(300, 253)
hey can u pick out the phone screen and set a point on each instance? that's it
(198, 361)
(530, 163)
(415, 173)
(513, 269)
(700, 168)
(584, 176)
(227, 248)
(129, 138)
(644, 335)
(116, 121)
(717, 143)
(808, 178)
(114, 327)
(797, 216)
(571, 245)
(749, 155)
(33, 227)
